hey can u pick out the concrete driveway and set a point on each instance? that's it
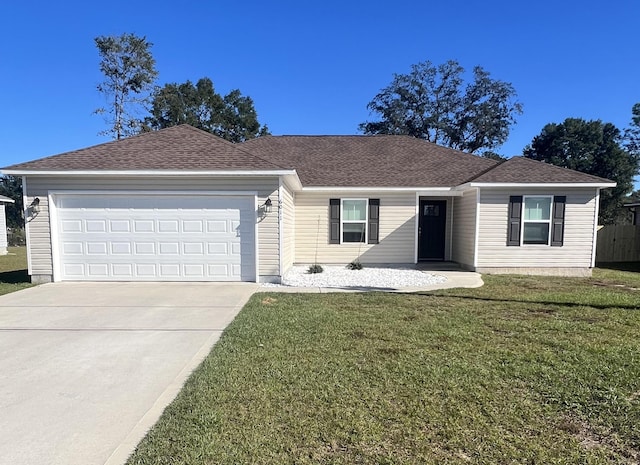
(87, 368)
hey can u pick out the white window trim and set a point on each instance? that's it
(525, 221)
(365, 222)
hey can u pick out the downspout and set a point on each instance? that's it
(27, 235)
(477, 230)
(417, 226)
(280, 229)
(595, 228)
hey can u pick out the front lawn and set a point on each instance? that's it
(522, 370)
(13, 270)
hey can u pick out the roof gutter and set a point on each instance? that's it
(377, 188)
(536, 184)
(163, 173)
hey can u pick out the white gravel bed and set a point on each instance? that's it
(368, 277)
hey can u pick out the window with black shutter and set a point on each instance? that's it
(354, 220)
(536, 220)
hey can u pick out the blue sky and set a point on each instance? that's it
(312, 67)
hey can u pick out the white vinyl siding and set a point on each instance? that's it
(397, 230)
(288, 229)
(39, 186)
(578, 231)
(3, 228)
(39, 234)
(464, 230)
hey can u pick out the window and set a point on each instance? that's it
(536, 219)
(354, 220)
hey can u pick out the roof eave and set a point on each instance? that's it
(154, 173)
(376, 188)
(538, 184)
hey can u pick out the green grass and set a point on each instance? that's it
(522, 370)
(13, 270)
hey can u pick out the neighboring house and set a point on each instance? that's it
(183, 205)
(3, 224)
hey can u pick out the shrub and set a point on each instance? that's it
(315, 268)
(355, 265)
(16, 237)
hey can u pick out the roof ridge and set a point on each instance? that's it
(231, 144)
(498, 163)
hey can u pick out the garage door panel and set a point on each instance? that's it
(72, 248)
(122, 270)
(120, 248)
(169, 270)
(95, 226)
(70, 226)
(168, 226)
(144, 226)
(73, 270)
(96, 248)
(193, 248)
(192, 226)
(217, 226)
(168, 248)
(145, 248)
(118, 226)
(98, 270)
(146, 270)
(172, 238)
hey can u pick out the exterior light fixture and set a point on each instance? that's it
(267, 206)
(35, 205)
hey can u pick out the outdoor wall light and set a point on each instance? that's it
(267, 206)
(35, 205)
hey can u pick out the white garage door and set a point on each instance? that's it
(155, 237)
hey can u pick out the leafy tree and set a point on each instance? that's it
(632, 133)
(592, 147)
(232, 117)
(433, 103)
(493, 155)
(11, 187)
(129, 71)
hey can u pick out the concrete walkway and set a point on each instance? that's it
(87, 368)
(454, 279)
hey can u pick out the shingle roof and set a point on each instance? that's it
(177, 148)
(526, 170)
(369, 161)
(320, 161)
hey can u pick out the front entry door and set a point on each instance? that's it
(431, 229)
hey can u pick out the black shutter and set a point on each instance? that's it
(515, 220)
(334, 221)
(374, 221)
(557, 221)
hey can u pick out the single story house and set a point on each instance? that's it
(183, 205)
(3, 224)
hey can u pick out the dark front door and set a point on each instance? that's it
(431, 229)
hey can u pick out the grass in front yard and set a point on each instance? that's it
(13, 270)
(522, 370)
